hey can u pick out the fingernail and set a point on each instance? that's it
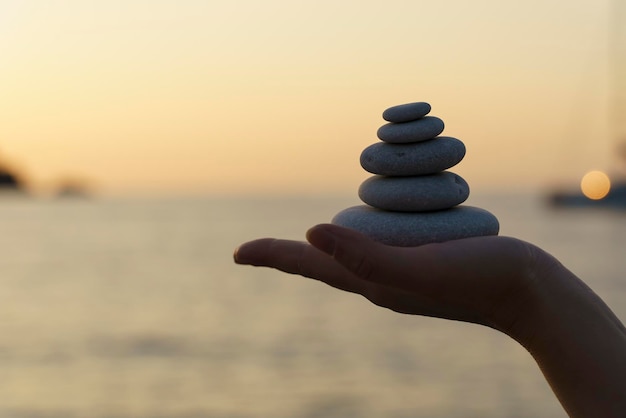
(237, 257)
(322, 240)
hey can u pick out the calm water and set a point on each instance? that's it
(133, 308)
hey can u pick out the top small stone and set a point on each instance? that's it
(406, 112)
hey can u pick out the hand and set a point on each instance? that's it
(485, 280)
(504, 283)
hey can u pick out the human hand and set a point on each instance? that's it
(500, 282)
(485, 280)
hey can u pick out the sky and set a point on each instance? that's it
(280, 97)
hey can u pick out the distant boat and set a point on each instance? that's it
(72, 191)
(615, 197)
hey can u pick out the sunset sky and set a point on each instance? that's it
(208, 97)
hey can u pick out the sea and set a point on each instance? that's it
(133, 308)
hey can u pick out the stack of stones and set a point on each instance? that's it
(411, 200)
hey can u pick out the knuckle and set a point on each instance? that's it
(303, 268)
(359, 264)
(363, 267)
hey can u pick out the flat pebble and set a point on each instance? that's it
(415, 159)
(411, 229)
(416, 193)
(406, 112)
(422, 129)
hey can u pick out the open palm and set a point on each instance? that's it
(483, 280)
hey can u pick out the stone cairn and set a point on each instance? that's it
(411, 200)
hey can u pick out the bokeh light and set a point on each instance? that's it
(595, 185)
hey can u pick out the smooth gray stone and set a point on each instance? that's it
(414, 194)
(422, 129)
(415, 159)
(406, 112)
(412, 229)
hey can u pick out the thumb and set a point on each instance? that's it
(353, 250)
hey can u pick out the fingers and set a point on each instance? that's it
(350, 248)
(270, 252)
(427, 267)
(289, 256)
(298, 258)
(335, 251)
(338, 255)
(481, 279)
(373, 261)
(303, 259)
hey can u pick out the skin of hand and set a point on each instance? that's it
(500, 282)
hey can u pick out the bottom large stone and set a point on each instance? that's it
(402, 229)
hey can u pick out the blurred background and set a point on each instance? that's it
(142, 141)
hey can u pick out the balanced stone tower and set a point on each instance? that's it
(411, 200)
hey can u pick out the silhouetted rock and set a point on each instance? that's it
(8, 181)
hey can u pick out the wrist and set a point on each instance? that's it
(577, 341)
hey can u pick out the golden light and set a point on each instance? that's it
(595, 185)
